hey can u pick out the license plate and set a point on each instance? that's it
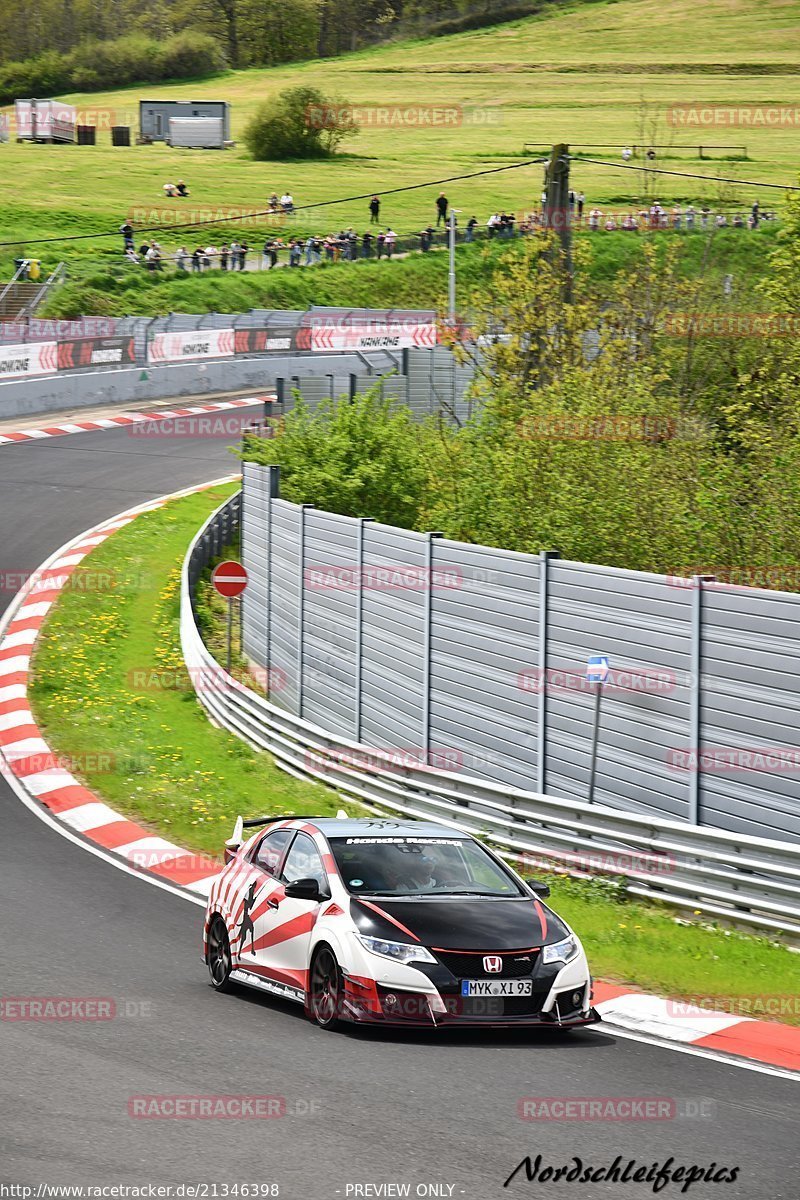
(496, 987)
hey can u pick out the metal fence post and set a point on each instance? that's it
(301, 604)
(426, 646)
(359, 647)
(545, 557)
(695, 690)
(273, 492)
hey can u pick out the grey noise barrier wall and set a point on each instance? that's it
(473, 659)
(136, 385)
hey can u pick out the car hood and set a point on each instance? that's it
(460, 923)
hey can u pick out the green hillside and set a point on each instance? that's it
(599, 73)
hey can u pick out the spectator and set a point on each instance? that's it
(627, 154)
(594, 219)
(224, 252)
(705, 213)
(754, 212)
(235, 248)
(295, 250)
(209, 254)
(738, 222)
(197, 256)
(441, 209)
(274, 202)
(492, 223)
(611, 224)
(374, 210)
(287, 203)
(470, 234)
(690, 215)
(676, 216)
(126, 229)
(270, 253)
(170, 190)
(131, 255)
(424, 241)
(581, 202)
(181, 188)
(366, 245)
(181, 258)
(243, 249)
(380, 241)
(389, 242)
(143, 249)
(352, 245)
(722, 220)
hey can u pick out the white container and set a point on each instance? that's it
(200, 133)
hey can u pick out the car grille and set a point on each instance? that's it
(470, 966)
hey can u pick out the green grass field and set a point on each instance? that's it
(602, 73)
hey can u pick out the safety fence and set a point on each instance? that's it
(188, 338)
(754, 883)
(405, 640)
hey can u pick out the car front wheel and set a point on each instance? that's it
(218, 955)
(326, 989)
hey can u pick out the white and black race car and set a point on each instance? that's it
(399, 922)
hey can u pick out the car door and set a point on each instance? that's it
(256, 888)
(284, 927)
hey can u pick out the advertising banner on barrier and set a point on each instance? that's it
(35, 358)
(190, 344)
(326, 334)
(257, 341)
(95, 352)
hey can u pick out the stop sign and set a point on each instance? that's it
(229, 578)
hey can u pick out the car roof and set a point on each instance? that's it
(378, 828)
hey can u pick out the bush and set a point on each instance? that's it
(298, 123)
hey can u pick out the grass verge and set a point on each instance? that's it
(109, 686)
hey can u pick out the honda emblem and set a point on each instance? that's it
(492, 964)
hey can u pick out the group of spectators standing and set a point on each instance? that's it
(657, 217)
(348, 245)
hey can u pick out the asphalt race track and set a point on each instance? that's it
(361, 1109)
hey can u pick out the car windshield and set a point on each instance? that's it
(415, 866)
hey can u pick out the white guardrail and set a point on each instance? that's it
(750, 881)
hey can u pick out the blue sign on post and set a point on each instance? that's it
(597, 669)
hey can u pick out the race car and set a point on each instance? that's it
(390, 922)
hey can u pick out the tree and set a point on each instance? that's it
(299, 122)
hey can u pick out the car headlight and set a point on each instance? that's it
(561, 951)
(402, 952)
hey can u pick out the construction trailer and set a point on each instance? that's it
(155, 116)
(45, 121)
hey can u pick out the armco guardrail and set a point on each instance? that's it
(756, 883)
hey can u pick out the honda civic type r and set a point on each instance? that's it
(391, 922)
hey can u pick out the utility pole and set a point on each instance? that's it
(557, 212)
(451, 278)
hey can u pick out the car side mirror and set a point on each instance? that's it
(541, 889)
(304, 889)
